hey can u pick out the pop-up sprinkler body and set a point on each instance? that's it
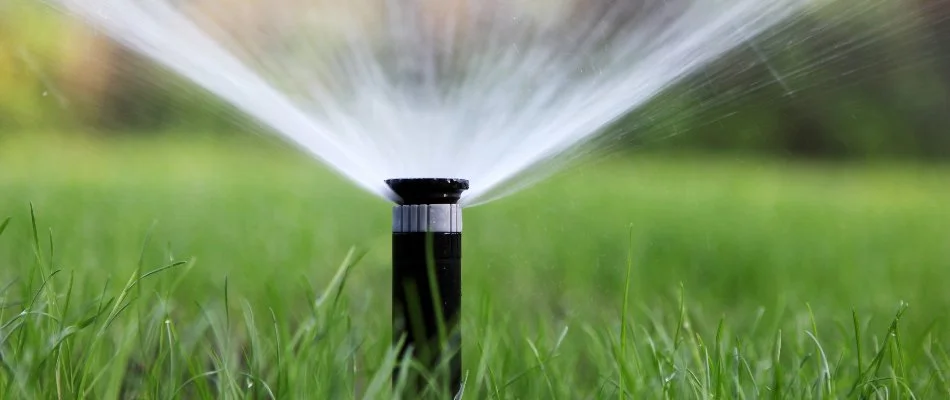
(427, 272)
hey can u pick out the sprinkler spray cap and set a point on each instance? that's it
(428, 190)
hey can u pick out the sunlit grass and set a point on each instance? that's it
(203, 269)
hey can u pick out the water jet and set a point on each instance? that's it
(427, 271)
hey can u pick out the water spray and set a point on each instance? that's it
(427, 272)
(508, 92)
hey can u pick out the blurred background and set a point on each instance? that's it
(821, 145)
(865, 79)
(824, 124)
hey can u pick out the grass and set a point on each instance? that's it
(198, 269)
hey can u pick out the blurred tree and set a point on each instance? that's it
(847, 81)
(28, 50)
(936, 120)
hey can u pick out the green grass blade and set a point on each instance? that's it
(4, 224)
(622, 366)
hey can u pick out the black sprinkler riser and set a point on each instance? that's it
(427, 228)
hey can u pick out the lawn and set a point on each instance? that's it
(749, 278)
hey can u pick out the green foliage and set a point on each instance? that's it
(203, 269)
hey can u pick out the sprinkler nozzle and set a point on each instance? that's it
(415, 191)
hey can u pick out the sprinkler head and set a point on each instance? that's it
(416, 191)
(427, 272)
